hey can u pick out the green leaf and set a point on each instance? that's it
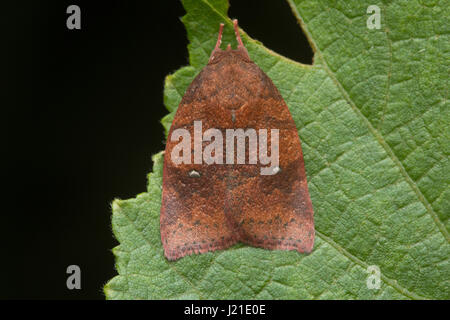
(373, 117)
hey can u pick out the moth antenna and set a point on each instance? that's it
(238, 38)
(219, 37)
(219, 41)
(236, 31)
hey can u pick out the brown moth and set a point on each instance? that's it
(215, 195)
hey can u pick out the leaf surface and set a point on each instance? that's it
(373, 118)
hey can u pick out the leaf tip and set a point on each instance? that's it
(116, 205)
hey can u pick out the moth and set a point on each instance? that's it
(233, 164)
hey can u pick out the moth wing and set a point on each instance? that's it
(272, 211)
(193, 195)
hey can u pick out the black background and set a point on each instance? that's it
(80, 122)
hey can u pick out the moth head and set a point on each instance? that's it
(229, 55)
